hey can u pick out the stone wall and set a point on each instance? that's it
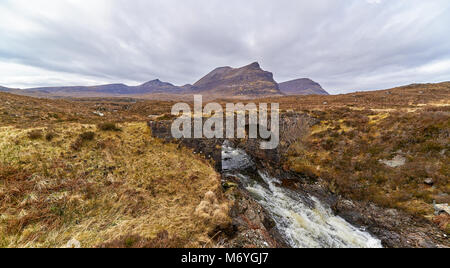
(292, 127)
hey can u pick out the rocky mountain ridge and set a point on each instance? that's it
(303, 86)
(250, 80)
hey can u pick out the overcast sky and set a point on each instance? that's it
(346, 45)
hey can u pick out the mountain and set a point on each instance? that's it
(13, 91)
(111, 88)
(302, 86)
(154, 86)
(4, 89)
(249, 80)
(157, 86)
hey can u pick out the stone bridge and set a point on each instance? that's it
(292, 127)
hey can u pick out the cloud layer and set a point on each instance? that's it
(346, 45)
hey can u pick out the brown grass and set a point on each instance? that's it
(35, 134)
(108, 126)
(126, 189)
(357, 130)
(115, 186)
(162, 240)
(345, 149)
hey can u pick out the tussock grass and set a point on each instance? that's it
(35, 134)
(108, 127)
(49, 136)
(348, 149)
(119, 187)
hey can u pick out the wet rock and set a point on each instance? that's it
(254, 227)
(389, 239)
(396, 229)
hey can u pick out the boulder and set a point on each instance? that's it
(429, 181)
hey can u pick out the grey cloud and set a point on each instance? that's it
(345, 45)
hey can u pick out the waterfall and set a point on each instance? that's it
(303, 221)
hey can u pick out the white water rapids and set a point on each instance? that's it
(302, 224)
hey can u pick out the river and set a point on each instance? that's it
(302, 220)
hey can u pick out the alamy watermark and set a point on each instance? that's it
(213, 121)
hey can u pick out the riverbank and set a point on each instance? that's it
(394, 228)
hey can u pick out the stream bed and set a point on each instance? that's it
(302, 220)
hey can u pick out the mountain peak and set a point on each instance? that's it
(155, 82)
(157, 86)
(249, 80)
(254, 65)
(302, 86)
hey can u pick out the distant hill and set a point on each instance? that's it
(304, 86)
(15, 91)
(154, 86)
(5, 89)
(157, 86)
(249, 80)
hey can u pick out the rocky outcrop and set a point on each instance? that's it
(252, 225)
(395, 228)
(249, 80)
(292, 127)
(304, 86)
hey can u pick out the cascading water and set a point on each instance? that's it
(302, 220)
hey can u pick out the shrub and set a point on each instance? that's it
(35, 134)
(87, 136)
(328, 144)
(76, 146)
(108, 127)
(50, 136)
(79, 142)
(431, 146)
